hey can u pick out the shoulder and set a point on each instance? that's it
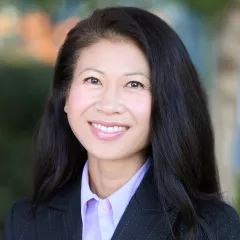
(220, 218)
(21, 206)
(20, 209)
(18, 219)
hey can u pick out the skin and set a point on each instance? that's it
(111, 84)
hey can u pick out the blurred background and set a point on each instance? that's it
(31, 32)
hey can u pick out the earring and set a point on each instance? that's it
(65, 108)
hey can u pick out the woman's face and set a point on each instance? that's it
(109, 101)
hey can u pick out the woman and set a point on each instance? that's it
(125, 147)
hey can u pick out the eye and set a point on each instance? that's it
(92, 80)
(135, 84)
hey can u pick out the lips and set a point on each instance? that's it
(111, 129)
(108, 130)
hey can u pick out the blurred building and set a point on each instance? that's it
(32, 34)
(224, 98)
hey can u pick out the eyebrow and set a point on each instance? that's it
(136, 73)
(101, 72)
(90, 69)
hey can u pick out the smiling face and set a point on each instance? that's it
(109, 101)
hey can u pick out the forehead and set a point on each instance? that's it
(113, 57)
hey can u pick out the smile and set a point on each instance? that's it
(107, 131)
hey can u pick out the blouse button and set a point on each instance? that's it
(107, 206)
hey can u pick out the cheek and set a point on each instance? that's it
(140, 108)
(78, 99)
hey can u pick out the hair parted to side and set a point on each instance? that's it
(182, 144)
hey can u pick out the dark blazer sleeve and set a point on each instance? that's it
(220, 221)
(227, 223)
(8, 231)
(18, 224)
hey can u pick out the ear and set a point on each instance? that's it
(66, 108)
(66, 105)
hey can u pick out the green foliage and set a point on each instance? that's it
(23, 91)
(207, 7)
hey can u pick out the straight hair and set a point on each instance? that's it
(181, 136)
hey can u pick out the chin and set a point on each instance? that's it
(107, 154)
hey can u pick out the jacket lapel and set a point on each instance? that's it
(144, 217)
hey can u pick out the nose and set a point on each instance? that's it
(109, 101)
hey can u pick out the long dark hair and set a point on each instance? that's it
(182, 144)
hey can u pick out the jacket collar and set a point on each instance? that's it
(143, 208)
(66, 196)
(146, 195)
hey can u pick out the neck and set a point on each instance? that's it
(107, 176)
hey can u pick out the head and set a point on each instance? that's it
(127, 68)
(110, 76)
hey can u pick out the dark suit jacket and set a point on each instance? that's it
(143, 219)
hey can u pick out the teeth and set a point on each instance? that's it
(109, 129)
